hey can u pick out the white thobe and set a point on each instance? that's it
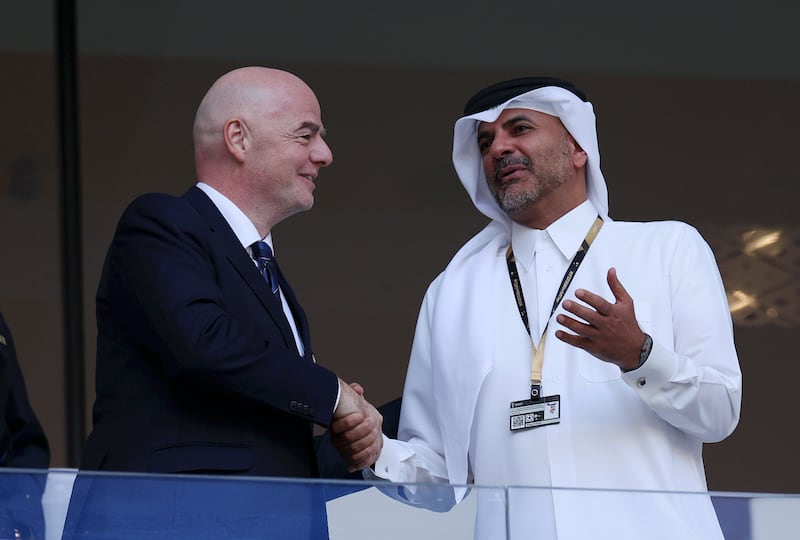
(641, 430)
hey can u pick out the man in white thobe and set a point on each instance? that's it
(534, 366)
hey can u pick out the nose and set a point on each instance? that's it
(501, 146)
(321, 154)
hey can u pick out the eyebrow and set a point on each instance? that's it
(313, 127)
(483, 134)
(518, 118)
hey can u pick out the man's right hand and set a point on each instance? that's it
(356, 428)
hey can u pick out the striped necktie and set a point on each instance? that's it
(267, 265)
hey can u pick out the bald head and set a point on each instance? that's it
(242, 93)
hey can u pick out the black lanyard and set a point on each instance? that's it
(537, 359)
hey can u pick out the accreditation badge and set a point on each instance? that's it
(532, 413)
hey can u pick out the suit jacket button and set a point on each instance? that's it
(293, 406)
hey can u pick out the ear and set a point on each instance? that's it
(237, 138)
(579, 156)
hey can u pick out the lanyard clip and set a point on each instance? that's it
(536, 390)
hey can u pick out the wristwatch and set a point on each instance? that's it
(647, 346)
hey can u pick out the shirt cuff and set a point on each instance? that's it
(390, 462)
(654, 374)
(338, 395)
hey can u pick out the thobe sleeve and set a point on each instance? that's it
(417, 456)
(693, 380)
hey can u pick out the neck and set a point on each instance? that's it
(544, 213)
(261, 217)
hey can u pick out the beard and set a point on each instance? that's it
(553, 168)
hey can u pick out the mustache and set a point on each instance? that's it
(510, 160)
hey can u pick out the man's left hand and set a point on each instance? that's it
(606, 330)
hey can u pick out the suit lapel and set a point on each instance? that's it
(241, 261)
(299, 314)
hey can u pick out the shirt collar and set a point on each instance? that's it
(241, 225)
(567, 233)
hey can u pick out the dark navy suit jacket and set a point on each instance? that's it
(23, 445)
(197, 368)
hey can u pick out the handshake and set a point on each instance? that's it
(356, 428)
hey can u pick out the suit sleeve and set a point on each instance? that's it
(164, 268)
(24, 442)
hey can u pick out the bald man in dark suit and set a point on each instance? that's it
(204, 357)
